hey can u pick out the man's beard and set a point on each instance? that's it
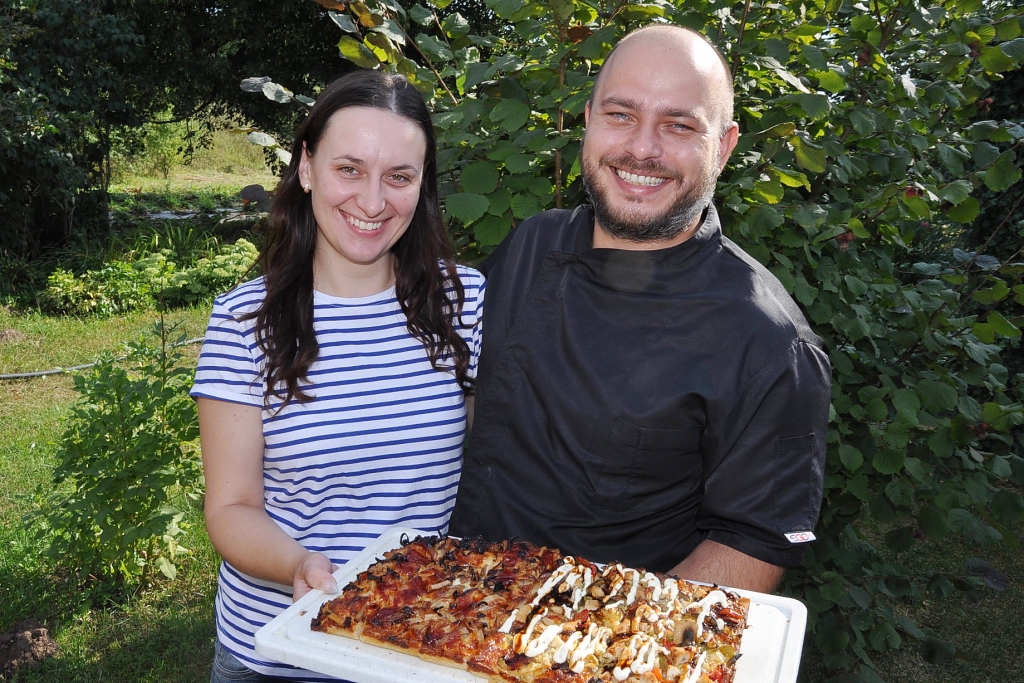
(633, 225)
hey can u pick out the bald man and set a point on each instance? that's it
(647, 391)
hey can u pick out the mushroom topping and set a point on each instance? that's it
(685, 632)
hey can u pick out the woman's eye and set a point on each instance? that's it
(400, 179)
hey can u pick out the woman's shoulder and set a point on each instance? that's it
(471, 278)
(244, 297)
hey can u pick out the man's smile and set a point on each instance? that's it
(636, 179)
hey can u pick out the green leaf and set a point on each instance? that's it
(900, 540)
(392, 31)
(511, 113)
(1003, 173)
(964, 212)
(421, 15)
(491, 230)
(938, 396)
(262, 139)
(343, 21)
(815, 106)
(166, 567)
(933, 522)
(779, 130)
(277, 93)
(862, 122)
(466, 207)
(956, 191)
(851, 457)
(889, 460)
(480, 177)
(1014, 48)
(897, 435)
(831, 81)
(1003, 326)
(357, 53)
(906, 401)
(519, 163)
(1008, 30)
(995, 59)
(808, 157)
(1007, 505)
(525, 205)
(455, 25)
(433, 47)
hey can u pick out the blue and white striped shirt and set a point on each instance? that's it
(380, 444)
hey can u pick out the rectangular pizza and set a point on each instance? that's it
(513, 611)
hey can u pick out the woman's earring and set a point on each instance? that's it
(306, 189)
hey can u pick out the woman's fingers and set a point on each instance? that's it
(314, 572)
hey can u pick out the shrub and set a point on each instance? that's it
(115, 288)
(209, 277)
(129, 447)
(155, 279)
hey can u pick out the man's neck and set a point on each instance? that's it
(603, 240)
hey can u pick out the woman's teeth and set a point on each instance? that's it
(363, 225)
(635, 179)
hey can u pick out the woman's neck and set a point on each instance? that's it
(353, 280)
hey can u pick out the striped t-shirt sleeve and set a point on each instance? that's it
(228, 367)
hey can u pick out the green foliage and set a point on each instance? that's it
(155, 279)
(209, 277)
(114, 288)
(862, 161)
(128, 448)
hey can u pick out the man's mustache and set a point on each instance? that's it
(627, 163)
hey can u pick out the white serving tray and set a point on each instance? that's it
(771, 644)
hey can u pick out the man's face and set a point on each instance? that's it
(653, 148)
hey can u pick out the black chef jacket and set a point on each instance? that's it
(633, 403)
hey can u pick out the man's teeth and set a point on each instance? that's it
(635, 179)
(363, 225)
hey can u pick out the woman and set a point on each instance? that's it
(332, 391)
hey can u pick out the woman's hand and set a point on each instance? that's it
(313, 572)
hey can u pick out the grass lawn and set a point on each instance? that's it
(164, 634)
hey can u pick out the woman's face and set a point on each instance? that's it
(365, 184)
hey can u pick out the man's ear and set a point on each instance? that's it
(586, 115)
(727, 143)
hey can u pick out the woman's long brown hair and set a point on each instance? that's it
(427, 284)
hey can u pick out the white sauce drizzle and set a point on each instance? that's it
(525, 636)
(507, 626)
(695, 671)
(672, 590)
(633, 586)
(541, 642)
(553, 580)
(655, 585)
(715, 597)
(562, 653)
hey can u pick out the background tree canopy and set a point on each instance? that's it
(878, 176)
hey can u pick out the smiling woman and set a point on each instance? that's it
(333, 391)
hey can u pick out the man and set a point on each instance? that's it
(648, 392)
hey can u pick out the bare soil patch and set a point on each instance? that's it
(25, 645)
(12, 335)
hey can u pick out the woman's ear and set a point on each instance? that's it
(304, 180)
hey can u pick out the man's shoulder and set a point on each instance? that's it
(553, 227)
(529, 242)
(764, 291)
